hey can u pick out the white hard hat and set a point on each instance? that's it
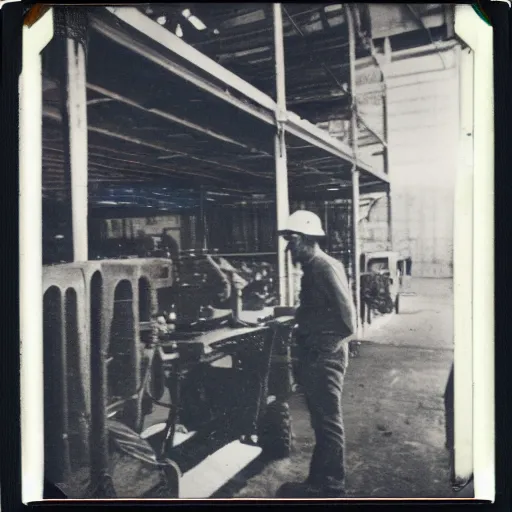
(305, 223)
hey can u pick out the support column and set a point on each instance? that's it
(282, 197)
(35, 38)
(356, 250)
(326, 226)
(201, 220)
(461, 421)
(387, 60)
(389, 218)
(72, 29)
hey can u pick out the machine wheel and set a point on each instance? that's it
(147, 405)
(275, 436)
(397, 304)
(157, 377)
(172, 480)
(156, 385)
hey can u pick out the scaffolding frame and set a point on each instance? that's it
(275, 113)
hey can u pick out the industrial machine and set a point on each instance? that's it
(205, 285)
(381, 282)
(108, 362)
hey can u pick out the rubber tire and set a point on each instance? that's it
(275, 436)
(147, 405)
(397, 304)
(157, 378)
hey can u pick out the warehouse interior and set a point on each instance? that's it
(323, 93)
(212, 122)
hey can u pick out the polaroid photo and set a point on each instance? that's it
(255, 275)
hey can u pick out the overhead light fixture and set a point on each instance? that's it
(218, 193)
(179, 31)
(168, 157)
(161, 20)
(333, 189)
(332, 8)
(198, 24)
(194, 20)
(216, 31)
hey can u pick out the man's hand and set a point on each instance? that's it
(239, 282)
(226, 292)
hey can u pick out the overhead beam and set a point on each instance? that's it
(140, 167)
(55, 115)
(294, 125)
(112, 169)
(165, 115)
(114, 34)
(161, 35)
(108, 161)
(183, 122)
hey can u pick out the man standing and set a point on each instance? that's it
(326, 319)
(145, 244)
(170, 245)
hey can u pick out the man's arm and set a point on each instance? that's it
(226, 283)
(338, 290)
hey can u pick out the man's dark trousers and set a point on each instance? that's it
(321, 374)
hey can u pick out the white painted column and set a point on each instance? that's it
(356, 249)
(474, 355)
(385, 154)
(474, 373)
(77, 125)
(463, 277)
(282, 196)
(35, 39)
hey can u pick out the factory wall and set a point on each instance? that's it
(423, 106)
(423, 139)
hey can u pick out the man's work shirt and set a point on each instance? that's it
(326, 305)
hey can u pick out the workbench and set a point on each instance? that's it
(251, 350)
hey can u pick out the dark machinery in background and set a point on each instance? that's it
(382, 274)
(108, 363)
(206, 285)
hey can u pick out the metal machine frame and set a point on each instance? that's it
(391, 270)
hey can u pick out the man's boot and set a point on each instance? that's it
(305, 490)
(294, 490)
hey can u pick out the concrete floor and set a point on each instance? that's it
(393, 409)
